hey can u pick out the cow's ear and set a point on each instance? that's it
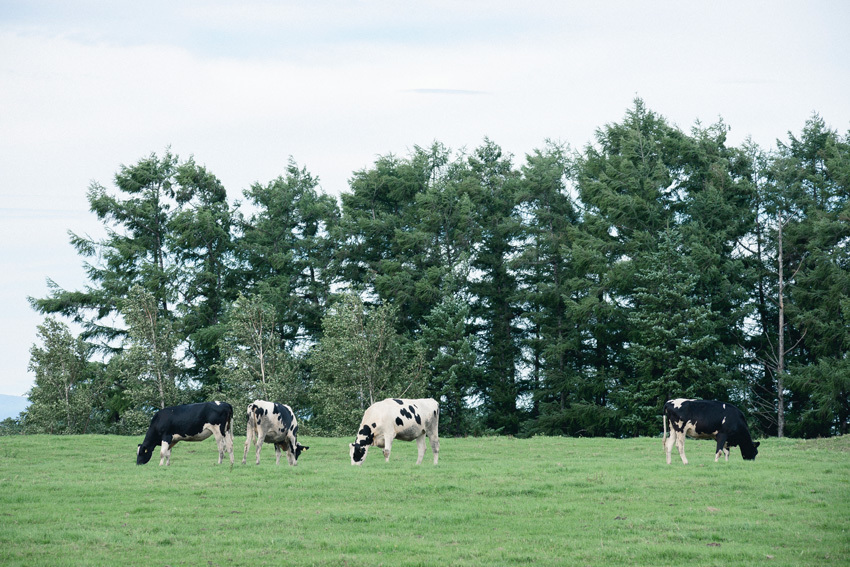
(139, 449)
(757, 443)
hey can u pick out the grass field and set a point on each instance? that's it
(491, 501)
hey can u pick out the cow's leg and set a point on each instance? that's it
(165, 453)
(435, 446)
(680, 445)
(290, 450)
(721, 447)
(260, 438)
(223, 442)
(228, 442)
(420, 446)
(388, 445)
(668, 447)
(249, 436)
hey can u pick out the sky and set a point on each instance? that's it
(89, 86)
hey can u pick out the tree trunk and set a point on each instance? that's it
(780, 366)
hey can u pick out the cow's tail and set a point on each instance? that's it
(228, 435)
(664, 435)
(251, 426)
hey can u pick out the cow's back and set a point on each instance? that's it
(412, 418)
(274, 421)
(707, 417)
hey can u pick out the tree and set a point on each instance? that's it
(151, 371)
(451, 362)
(492, 185)
(645, 179)
(202, 245)
(286, 250)
(168, 231)
(566, 398)
(254, 363)
(675, 338)
(813, 183)
(134, 251)
(360, 360)
(65, 390)
(406, 227)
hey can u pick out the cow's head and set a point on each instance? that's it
(365, 437)
(298, 448)
(357, 452)
(143, 455)
(749, 451)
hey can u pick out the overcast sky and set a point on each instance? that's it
(88, 86)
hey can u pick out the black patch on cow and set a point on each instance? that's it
(374, 425)
(399, 422)
(418, 419)
(298, 449)
(186, 421)
(359, 452)
(366, 433)
(412, 409)
(406, 413)
(399, 402)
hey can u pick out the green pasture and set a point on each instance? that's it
(81, 500)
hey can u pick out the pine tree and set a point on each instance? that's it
(451, 361)
(285, 249)
(675, 338)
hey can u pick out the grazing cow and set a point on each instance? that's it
(192, 422)
(397, 419)
(707, 419)
(273, 423)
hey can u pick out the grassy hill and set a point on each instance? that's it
(490, 501)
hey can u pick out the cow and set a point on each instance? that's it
(706, 419)
(273, 423)
(191, 422)
(397, 419)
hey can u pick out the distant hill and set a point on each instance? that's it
(12, 406)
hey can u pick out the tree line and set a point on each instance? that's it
(568, 293)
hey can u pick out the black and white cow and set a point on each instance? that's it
(706, 419)
(273, 423)
(397, 419)
(191, 422)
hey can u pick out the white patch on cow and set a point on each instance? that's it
(206, 433)
(690, 429)
(165, 454)
(677, 403)
(724, 418)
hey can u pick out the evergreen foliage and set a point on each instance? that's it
(570, 293)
